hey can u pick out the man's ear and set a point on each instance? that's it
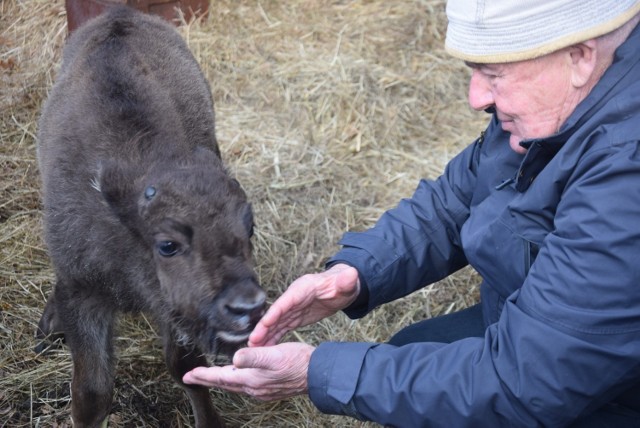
(584, 60)
(117, 183)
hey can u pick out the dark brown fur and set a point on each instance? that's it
(140, 213)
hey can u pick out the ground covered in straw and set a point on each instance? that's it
(328, 112)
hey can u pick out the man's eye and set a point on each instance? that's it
(168, 248)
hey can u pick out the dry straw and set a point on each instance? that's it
(328, 112)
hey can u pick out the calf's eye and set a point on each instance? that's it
(168, 248)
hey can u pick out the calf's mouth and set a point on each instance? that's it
(222, 326)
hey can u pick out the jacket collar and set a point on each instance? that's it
(541, 151)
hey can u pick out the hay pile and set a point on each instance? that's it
(327, 111)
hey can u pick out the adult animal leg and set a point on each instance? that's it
(179, 361)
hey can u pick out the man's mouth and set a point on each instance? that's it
(504, 120)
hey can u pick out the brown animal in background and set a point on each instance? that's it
(139, 211)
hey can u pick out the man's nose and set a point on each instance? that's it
(480, 94)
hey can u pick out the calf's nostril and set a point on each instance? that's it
(244, 307)
(237, 311)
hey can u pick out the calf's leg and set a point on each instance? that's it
(179, 361)
(88, 327)
(49, 326)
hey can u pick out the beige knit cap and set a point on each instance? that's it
(492, 31)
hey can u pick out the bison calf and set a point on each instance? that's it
(139, 211)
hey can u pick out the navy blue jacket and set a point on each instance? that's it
(555, 235)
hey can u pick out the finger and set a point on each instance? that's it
(220, 377)
(201, 376)
(263, 329)
(256, 358)
(209, 375)
(259, 336)
(274, 324)
(262, 336)
(273, 314)
(189, 379)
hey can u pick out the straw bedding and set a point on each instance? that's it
(328, 112)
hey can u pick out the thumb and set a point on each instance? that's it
(252, 358)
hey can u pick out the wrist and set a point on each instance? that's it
(358, 303)
(346, 283)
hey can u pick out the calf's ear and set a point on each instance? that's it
(117, 181)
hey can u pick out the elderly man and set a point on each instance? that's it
(545, 205)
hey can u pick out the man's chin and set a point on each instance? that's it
(514, 143)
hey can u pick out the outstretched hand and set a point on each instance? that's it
(266, 373)
(308, 299)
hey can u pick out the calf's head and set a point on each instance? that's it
(196, 222)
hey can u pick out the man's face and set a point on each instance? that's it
(532, 98)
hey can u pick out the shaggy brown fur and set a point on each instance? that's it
(140, 213)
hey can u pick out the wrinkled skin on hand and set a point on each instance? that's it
(308, 299)
(265, 373)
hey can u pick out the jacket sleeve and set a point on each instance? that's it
(390, 256)
(567, 342)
